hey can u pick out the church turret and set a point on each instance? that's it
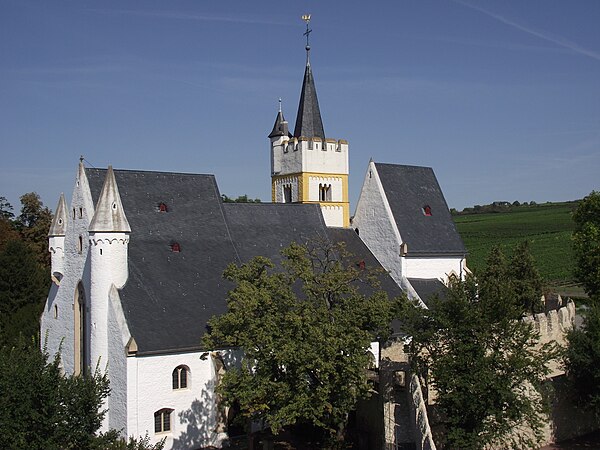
(109, 239)
(307, 167)
(56, 240)
(279, 137)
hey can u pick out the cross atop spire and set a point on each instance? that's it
(308, 120)
(306, 18)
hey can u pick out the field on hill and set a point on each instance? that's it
(547, 227)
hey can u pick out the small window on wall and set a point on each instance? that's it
(287, 193)
(162, 420)
(324, 192)
(310, 145)
(180, 377)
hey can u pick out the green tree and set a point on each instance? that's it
(33, 224)
(23, 289)
(240, 199)
(482, 362)
(304, 355)
(582, 360)
(42, 409)
(586, 244)
(6, 209)
(526, 279)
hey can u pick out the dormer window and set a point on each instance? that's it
(162, 207)
(175, 247)
(427, 210)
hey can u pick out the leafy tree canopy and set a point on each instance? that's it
(240, 199)
(482, 360)
(305, 334)
(582, 360)
(586, 243)
(42, 409)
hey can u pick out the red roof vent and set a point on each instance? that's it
(361, 264)
(162, 207)
(175, 247)
(427, 210)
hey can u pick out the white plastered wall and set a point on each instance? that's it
(118, 338)
(150, 389)
(376, 226)
(279, 186)
(286, 160)
(58, 332)
(314, 184)
(432, 267)
(333, 215)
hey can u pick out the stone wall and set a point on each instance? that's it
(423, 437)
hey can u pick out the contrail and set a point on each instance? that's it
(565, 43)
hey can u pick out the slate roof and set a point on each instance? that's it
(169, 296)
(428, 287)
(280, 127)
(409, 189)
(308, 119)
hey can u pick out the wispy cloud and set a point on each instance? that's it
(177, 15)
(495, 44)
(558, 40)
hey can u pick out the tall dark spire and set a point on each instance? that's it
(308, 120)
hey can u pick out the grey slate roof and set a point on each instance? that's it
(169, 297)
(308, 120)
(428, 287)
(408, 190)
(280, 127)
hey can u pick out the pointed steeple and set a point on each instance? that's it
(109, 215)
(281, 126)
(59, 222)
(308, 120)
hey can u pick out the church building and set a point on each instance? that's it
(138, 257)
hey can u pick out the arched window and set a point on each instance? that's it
(80, 327)
(287, 193)
(162, 420)
(325, 192)
(180, 377)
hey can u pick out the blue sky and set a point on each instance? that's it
(501, 98)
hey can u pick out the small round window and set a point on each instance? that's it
(114, 206)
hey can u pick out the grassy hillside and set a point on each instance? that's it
(547, 227)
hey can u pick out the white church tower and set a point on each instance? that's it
(307, 167)
(109, 239)
(56, 240)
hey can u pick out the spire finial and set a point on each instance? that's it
(306, 18)
(279, 104)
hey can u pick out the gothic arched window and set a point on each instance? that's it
(180, 377)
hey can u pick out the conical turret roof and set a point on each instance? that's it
(281, 126)
(109, 215)
(308, 120)
(59, 222)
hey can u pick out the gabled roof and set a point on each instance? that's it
(170, 296)
(426, 288)
(308, 120)
(59, 221)
(409, 191)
